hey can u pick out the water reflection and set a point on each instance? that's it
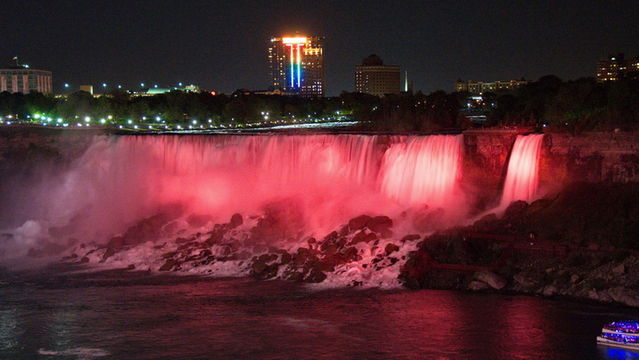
(150, 317)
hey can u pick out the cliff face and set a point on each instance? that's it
(591, 157)
(23, 147)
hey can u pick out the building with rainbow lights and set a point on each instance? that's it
(297, 65)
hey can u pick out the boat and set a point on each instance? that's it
(621, 334)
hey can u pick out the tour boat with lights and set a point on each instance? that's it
(622, 334)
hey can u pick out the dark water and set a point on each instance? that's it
(133, 315)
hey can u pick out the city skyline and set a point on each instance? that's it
(221, 45)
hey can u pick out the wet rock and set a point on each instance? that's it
(197, 221)
(358, 223)
(599, 296)
(263, 266)
(362, 236)
(181, 240)
(315, 277)
(168, 265)
(84, 260)
(619, 270)
(574, 278)
(549, 290)
(410, 237)
(524, 280)
(477, 285)
(516, 209)
(236, 220)
(391, 248)
(593, 246)
(487, 221)
(624, 296)
(169, 254)
(379, 224)
(429, 220)
(495, 281)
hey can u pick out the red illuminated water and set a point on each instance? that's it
(522, 179)
(326, 179)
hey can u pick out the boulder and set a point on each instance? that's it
(379, 224)
(619, 270)
(315, 277)
(524, 280)
(236, 220)
(493, 280)
(391, 248)
(549, 290)
(168, 265)
(363, 237)
(477, 285)
(358, 223)
(516, 209)
(196, 220)
(624, 296)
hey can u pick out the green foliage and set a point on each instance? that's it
(576, 106)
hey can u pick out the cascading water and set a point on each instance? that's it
(423, 170)
(522, 178)
(289, 189)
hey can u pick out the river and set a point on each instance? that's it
(68, 312)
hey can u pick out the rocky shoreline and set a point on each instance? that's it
(508, 254)
(572, 244)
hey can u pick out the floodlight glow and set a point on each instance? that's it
(294, 40)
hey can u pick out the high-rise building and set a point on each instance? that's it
(297, 65)
(479, 87)
(22, 79)
(617, 67)
(375, 78)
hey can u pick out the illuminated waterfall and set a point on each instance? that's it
(522, 178)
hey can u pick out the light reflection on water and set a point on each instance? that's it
(119, 315)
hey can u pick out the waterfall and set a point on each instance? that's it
(327, 178)
(522, 177)
(423, 170)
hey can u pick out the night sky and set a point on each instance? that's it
(221, 45)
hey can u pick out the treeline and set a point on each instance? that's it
(174, 107)
(405, 112)
(577, 105)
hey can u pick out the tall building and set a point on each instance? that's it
(617, 67)
(22, 79)
(479, 87)
(375, 78)
(297, 65)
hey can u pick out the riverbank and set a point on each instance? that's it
(578, 243)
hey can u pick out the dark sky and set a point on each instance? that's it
(222, 44)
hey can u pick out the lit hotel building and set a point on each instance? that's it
(616, 67)
(479, 87)
(297, 65)
(22, 79)
(375, 78)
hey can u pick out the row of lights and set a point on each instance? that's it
(142, 85)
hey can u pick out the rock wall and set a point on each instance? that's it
(592, 157)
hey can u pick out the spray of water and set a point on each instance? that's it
(321, 181)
